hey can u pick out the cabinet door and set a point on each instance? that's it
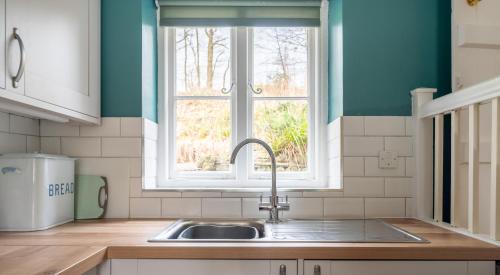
(317, 267)
(203, 267)
(399, 267)
(279, 267)
(61, 38)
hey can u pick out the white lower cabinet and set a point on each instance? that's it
(399, 267)
(290, 267)
(202, 267)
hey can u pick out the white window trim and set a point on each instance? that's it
(247, 180)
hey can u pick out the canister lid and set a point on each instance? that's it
(32, 156)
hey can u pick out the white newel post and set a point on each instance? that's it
(422, 141)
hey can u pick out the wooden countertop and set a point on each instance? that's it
(77, 247)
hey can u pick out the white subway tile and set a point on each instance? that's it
(221, 207)
(344, 208)
(157, 193)
(363, 187)
(54, 129)
(305, 208)
(353, 126)
(24, 125)
(181, 208)
(409, 126)
(12, 143)
(323, 194)
(150, 129)
(402, 145)
(121, 147)
(410, 167)
(385, 207)
(372, 168)
(384, 126)
(251, 209)
(32, 144)
(50, 145)
(208, 194)
(145, 207)
(229, 194)
(410, 208)
(81, 146)
(398, 187)
(131, 127)
(294, 194)
(135, 167)
(363, 146)
(135, 187)
(353, 166)
(110, 127)
(4, 122)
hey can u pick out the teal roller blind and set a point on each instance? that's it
(274, 13)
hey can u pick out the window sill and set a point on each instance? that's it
(239, 190)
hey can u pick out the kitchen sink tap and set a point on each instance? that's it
(274, 204)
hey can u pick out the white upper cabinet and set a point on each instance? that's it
(53, 48)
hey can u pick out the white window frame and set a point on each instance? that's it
(242, 175)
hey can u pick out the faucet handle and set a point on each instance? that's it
(260, 198)
(286, 199)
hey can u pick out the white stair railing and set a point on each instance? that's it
(429, 163)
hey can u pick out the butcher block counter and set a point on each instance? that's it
(76, 247)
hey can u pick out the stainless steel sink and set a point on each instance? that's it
(349, 231)
(212, 230)
(219, 232)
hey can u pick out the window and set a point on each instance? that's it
(223, 85)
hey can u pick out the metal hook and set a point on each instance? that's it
(227, 91)
(257, 91)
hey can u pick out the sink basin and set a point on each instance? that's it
(348, 231)
(218, 232)
(212, 230)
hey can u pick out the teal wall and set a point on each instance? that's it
(149, 60)
(389, 48)
(128, 59)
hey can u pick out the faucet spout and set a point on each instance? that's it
(274, 204)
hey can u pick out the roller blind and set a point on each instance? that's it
(276, 13)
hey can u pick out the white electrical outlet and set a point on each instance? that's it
(388, 160)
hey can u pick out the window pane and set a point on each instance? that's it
(203, 135)
(283, 124)
(202, 61)
(280, 61)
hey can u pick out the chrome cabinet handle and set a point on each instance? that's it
(257, 91)
(227, 91)
(282, 269)
(22, 63)
(317, 270)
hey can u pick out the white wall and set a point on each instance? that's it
(19, 134)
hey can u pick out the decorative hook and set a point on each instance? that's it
(227, 91)
(257, 91)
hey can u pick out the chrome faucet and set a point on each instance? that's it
(274, 204)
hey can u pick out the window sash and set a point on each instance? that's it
(241, 175)
(311, 92)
